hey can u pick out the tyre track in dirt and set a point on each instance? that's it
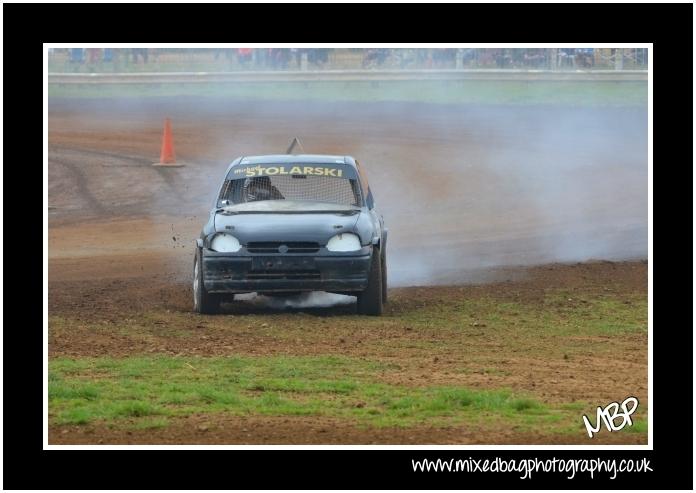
(81, 183)
(109, 185)
(138, 160)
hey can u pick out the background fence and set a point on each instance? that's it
(95, 60)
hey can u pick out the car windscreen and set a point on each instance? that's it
(317, 183)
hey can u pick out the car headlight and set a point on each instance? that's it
(222, 242)
(344, 242)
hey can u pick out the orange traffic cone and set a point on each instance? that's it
(167, 157)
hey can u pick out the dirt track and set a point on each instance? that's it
(475, 188)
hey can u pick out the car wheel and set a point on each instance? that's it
(370, 300)
(203, 302)
(384, 278)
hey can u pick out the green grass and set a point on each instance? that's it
(556, 313)
(467, 331)
(640, 425)
(151, 424)
(603, 315)
(576, 93)
(152, 389)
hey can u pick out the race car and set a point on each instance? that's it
(285, 224)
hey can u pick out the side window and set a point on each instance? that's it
(357, 193)
(224, 192)
(367, 193)
(363, 178)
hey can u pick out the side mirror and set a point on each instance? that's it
(224, 203)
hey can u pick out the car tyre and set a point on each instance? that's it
(384, 278)
(370, 300)
(203, 302)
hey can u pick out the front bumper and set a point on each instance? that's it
(243, 272)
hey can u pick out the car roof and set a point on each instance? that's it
(295, 158)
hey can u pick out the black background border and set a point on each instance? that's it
(26, 26)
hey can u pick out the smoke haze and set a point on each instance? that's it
(462, 187)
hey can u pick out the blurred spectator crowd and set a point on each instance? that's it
(343, 58)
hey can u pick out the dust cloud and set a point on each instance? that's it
(314, 299)
(492, 187)
(463, 188)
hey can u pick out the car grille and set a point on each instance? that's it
(292, 274)
(275, 246)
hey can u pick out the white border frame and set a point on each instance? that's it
(649, 446)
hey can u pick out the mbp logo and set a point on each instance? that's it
(610, 414)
